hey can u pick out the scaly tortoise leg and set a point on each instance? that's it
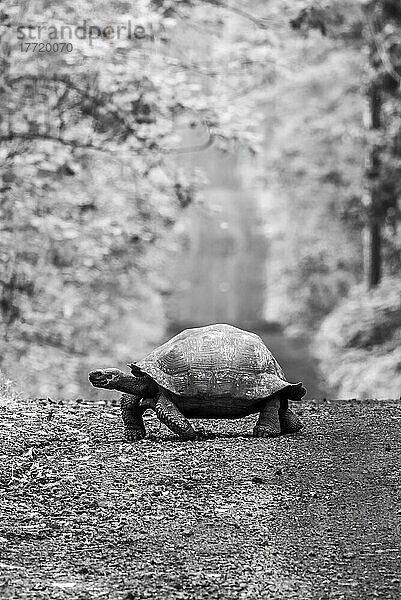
(289, 421)
(131, 412)
(268, 424)
(169, 414)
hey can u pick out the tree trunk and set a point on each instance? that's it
(374, 255)
(374, 266)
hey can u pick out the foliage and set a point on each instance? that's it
(359, 343)
(89, 183)
(319, 150)
(373, 28)
(314, 161)
(89, 142)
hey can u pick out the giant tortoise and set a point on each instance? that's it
(217, 372)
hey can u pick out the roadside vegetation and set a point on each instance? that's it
(92, 188)
(360, 342)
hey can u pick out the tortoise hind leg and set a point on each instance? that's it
(268, 424)
(131, 412)
(289, 421)
(169, 414)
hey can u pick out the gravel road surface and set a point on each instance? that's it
(315, 515)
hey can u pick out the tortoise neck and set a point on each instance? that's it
(136, 386)
(130, 384)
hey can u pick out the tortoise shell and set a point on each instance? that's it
(218, 361)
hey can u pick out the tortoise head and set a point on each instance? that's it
(106, 378)
(139, 384)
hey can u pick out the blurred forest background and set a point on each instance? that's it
(231, 161)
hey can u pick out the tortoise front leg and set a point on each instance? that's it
(268, 424)
(169, 414)
(289, 421)
(131, 412)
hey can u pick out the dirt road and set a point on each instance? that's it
(311, 516)
(222, 275)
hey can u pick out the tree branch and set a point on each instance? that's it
(28, 137)
(72, 85)
(381, 51)
(255, 20)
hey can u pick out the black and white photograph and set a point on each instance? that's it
(200, 300)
